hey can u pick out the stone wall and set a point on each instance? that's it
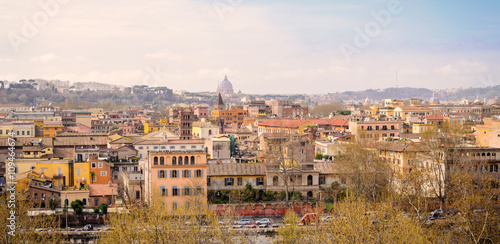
(265, 209)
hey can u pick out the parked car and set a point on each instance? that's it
(309, 218)
(264, 226)
(237, 226)
(327, 219)
(242, 222)
(263, 221)
(88, 228)
(252, 226)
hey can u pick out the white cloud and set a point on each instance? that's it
(162, 55)
(43, 58)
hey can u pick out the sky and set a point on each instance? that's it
(280, 46)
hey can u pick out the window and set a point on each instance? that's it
(174, 206)
(199, 190)
(124, 168)
(155, 160)
(183, 147)
(174, 174)
(163, 147)
(93, 165)
(174, 161)
(100, 164)
(42, 170)
(78, 172)
(175, 191)
(192, 160)
(172, 147)
(494, 168)
(275, 180)
(187, 191)
(240, 181)
(140, 155)
(110, 201)
(208, 181)
(199, 173)
(135, 168)
(186, 174)
(155, 147)
(140, 148)
(137, 194)
(186, 160)
(162, 161)
(228, 181)
(322, 180)
(163, 191)
(309, 180)
(180, 160)
(96, 202)
(193, 147)
(104, 173)
(161, 174)
(66, 202)
(84, 200)
(260, 181)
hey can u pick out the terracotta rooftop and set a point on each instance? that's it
(96, 190)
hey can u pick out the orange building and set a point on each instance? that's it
(177, 177)
(234, 116)
(102, 171)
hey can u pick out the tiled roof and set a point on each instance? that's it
(326, 168)
(96, 190)
(235, 169)
(80, 141)
(435, 117)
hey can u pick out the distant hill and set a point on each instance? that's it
(420, 93)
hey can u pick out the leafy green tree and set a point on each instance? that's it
(104, 208)
(248, 194)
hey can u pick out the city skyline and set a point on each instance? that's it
(191, 45)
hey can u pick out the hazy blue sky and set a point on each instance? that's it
(264, 47)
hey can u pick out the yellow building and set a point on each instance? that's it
(407, 111)
(422, 128)
(52, 128)
(154, 127)
(81, 173)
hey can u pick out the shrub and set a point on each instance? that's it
(96, 210)
(77, 206)
(329, 199)
(104, 208)
(319, 156)
(269, 196)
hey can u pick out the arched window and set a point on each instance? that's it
(275, 180)
(84, 200)
(174, 161)
(162, 174)
(186, 160)
(155, 160)
(198, 173)
(209, 132)
(180, 160)
(162, 161)
(35, 196)
(309, 180)
(309, 194)
(66, 202)
(192, 159)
